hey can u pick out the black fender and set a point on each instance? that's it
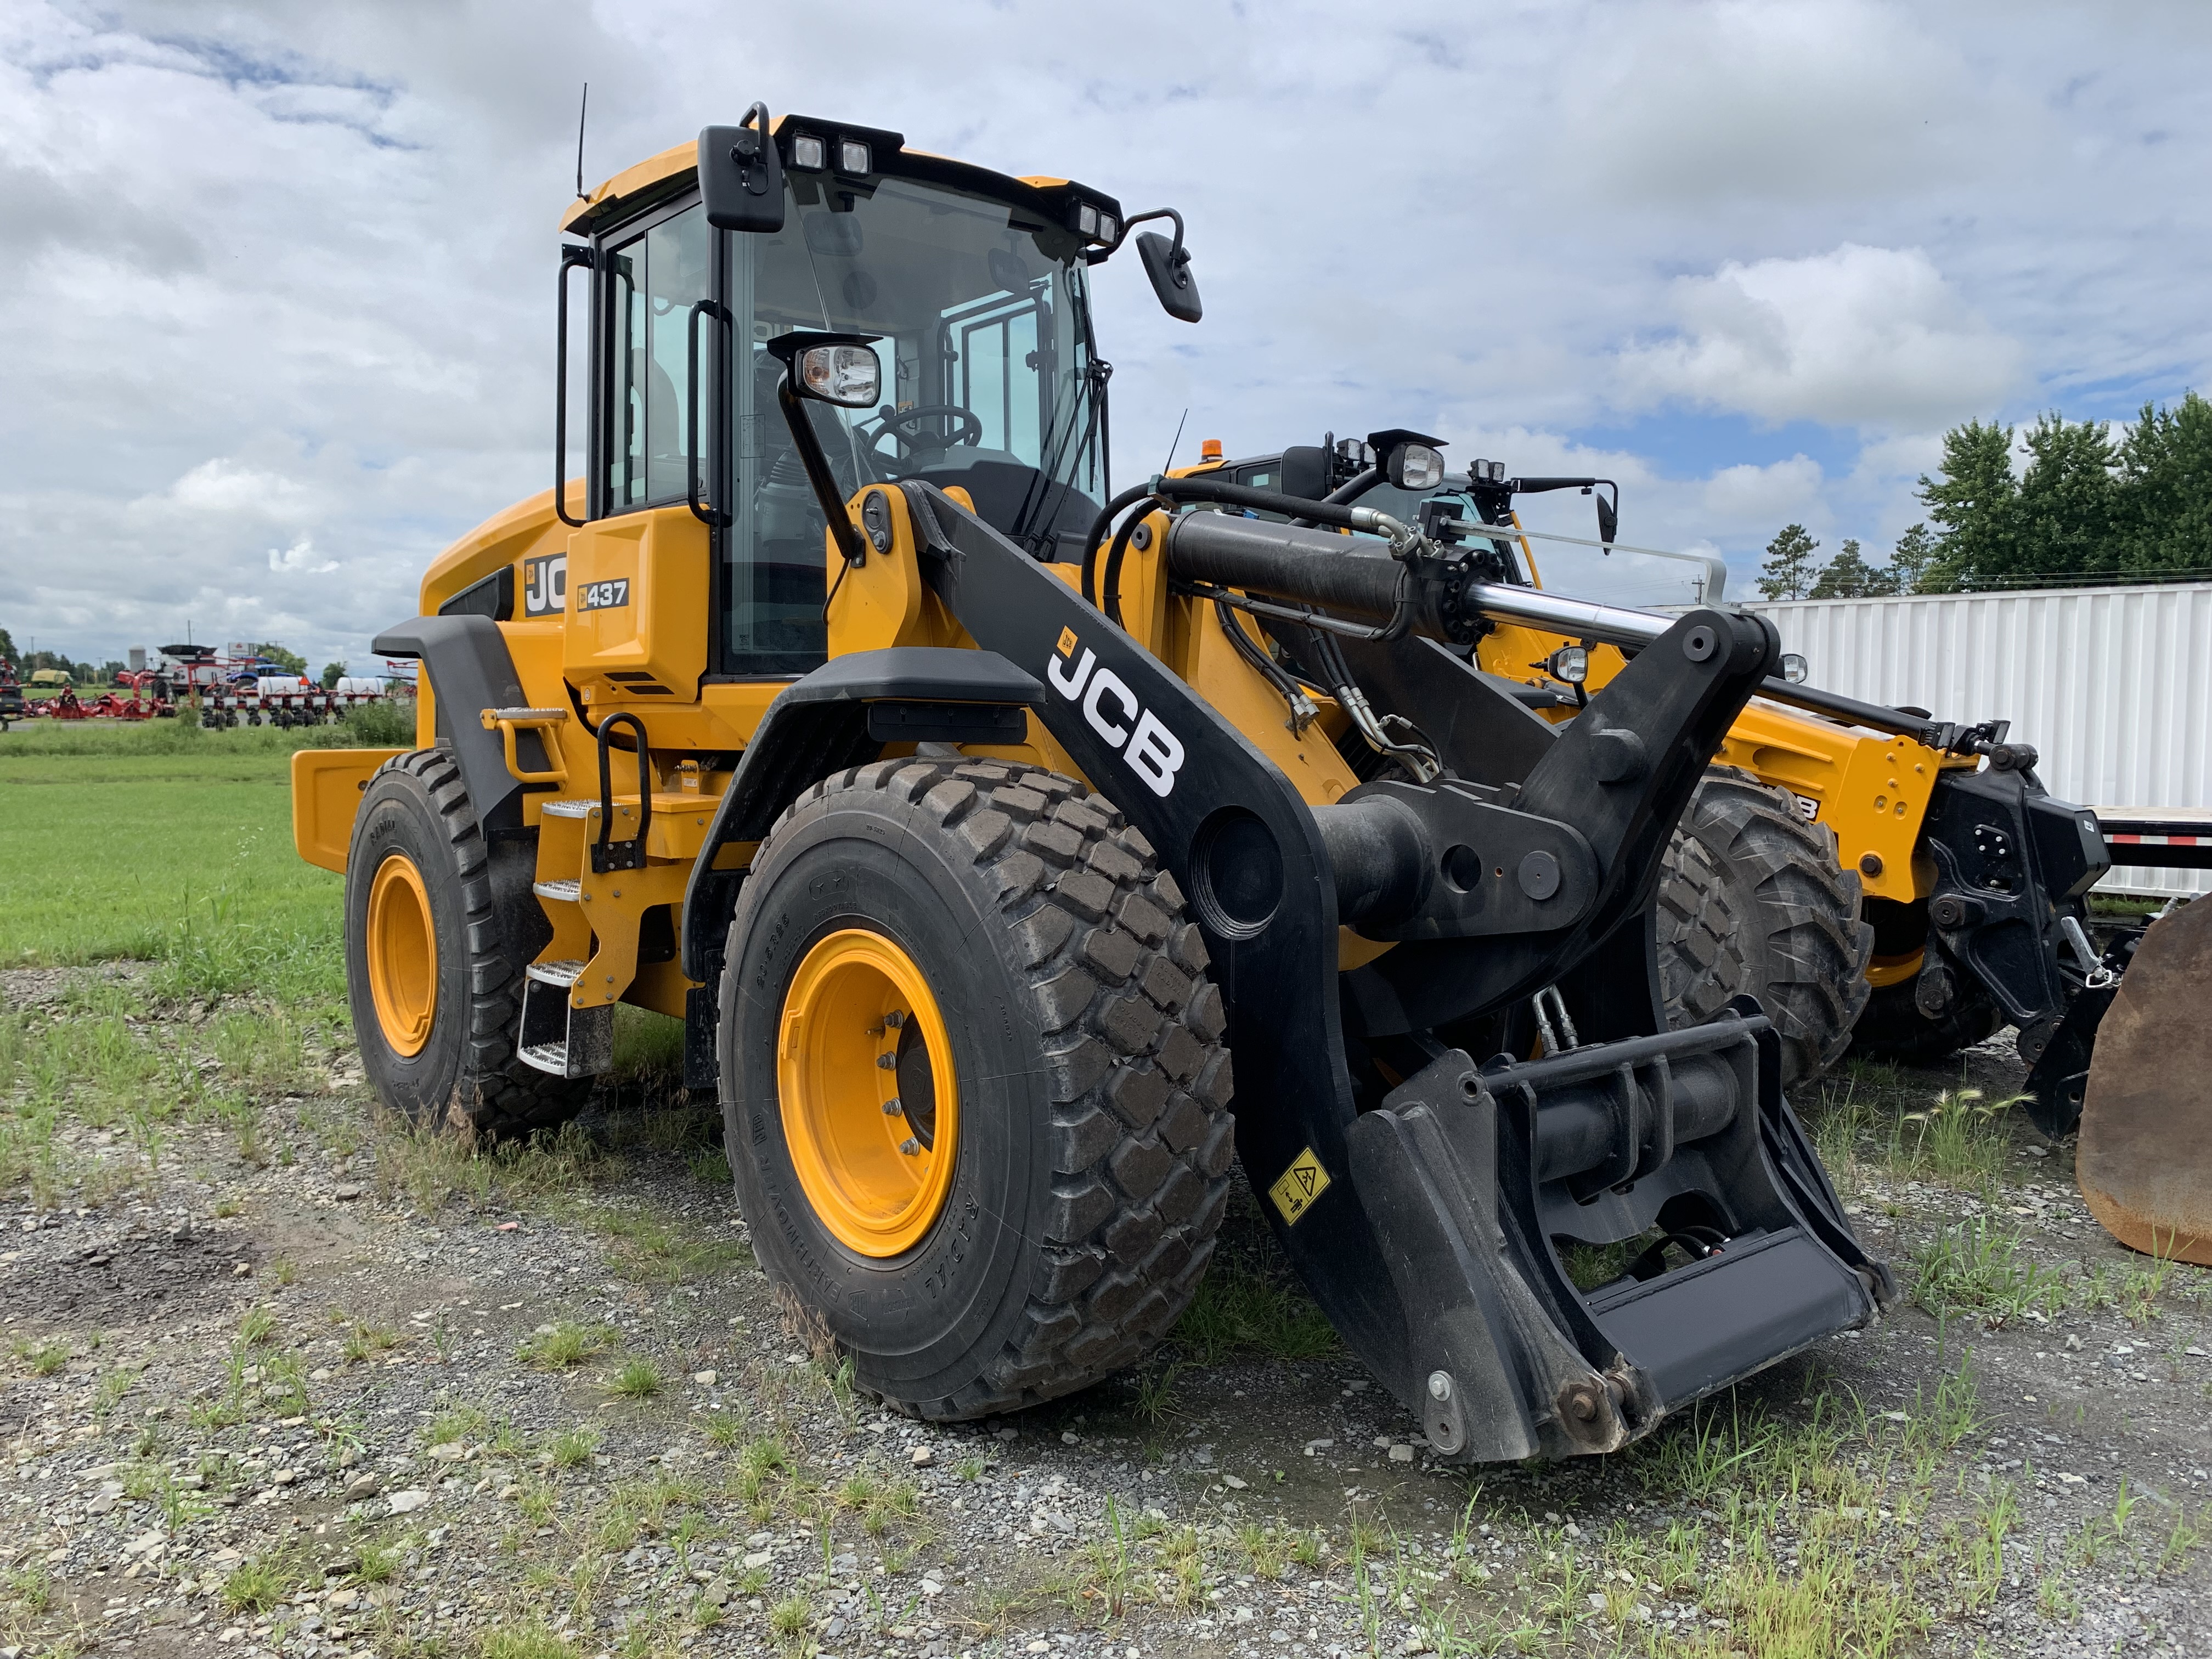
(841, 715)
(470, 670)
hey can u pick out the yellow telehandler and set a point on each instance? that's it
(1877, 878)
(803, 717)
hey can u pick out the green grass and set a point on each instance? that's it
(167, 844)
(1250, 1303)
(567, 1344)
(636, 1378)
(1978, 1269)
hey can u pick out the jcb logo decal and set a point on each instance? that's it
(545, 586)
(1153, 752)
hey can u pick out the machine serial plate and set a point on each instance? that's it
(1297, 1187)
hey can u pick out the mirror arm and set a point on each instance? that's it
(572, 255)
(841, 529)
(1177, 254)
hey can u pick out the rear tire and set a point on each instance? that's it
(1753, 901)
(437, 1034)
(1091, 1169)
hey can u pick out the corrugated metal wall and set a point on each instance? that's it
(2112, 685)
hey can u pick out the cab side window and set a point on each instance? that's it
(652, 282)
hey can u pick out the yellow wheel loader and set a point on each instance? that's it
(1879, 879)
(844, 712)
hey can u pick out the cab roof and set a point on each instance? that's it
(675, 168)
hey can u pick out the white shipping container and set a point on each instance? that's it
(2112, 685)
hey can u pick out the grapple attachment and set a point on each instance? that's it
(2146, 1117)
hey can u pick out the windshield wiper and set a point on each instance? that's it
(1039, 493)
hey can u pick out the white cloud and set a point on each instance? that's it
(1739, 496)
(299, 559)
(281, 277)
(1858, 336)
(226, 486)
(1692, 104)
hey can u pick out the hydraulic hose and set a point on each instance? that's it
(1099, 526)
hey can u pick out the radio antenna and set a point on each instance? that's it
(581, 109)
(1173, 441)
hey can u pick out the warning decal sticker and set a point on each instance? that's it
(1295, 1191)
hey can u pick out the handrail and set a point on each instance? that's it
(712, 517)
(572, 255)
(629, 854)
(508, 721)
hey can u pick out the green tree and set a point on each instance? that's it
(2067, 510)
(7, 645)
(2165, 517)
(1976, 502)
(1907, 570)
(290, 661)
(332, 674)
(1849, 576)
(1788, 572)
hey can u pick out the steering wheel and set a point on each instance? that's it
(905, 425)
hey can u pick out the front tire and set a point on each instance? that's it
(1753, 901)
(1053, 1017)
(434, 973)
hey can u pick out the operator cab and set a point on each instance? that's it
(974, 289)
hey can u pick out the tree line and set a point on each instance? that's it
(2085, 509)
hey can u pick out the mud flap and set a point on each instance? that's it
(1471, 1177)
(2147, 1116)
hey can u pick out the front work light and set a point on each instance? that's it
(1794, 668)
(1109, 228)
(1416, 467)
(808, 151)
(852, 155)
(849, 376)
(1086, 219)
(1570, 663)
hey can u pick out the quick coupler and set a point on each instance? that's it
(1585, 1243)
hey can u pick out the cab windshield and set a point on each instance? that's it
(982, 326)
(981, 318)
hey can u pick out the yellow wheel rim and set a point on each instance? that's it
(873, 1143)
(1895, 970)
(402, 954)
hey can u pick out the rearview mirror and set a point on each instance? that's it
(1167, 265)
(1304, 472)
(849, 376)
(1609, 519)
(740, 180)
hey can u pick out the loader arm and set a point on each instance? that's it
(1426, 1230)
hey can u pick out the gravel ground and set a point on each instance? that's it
(310, 1386)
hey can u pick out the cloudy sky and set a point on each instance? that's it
(276, 280)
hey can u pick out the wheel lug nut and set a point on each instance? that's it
(889, 1062)
(892, 1108)
(910, 1146)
